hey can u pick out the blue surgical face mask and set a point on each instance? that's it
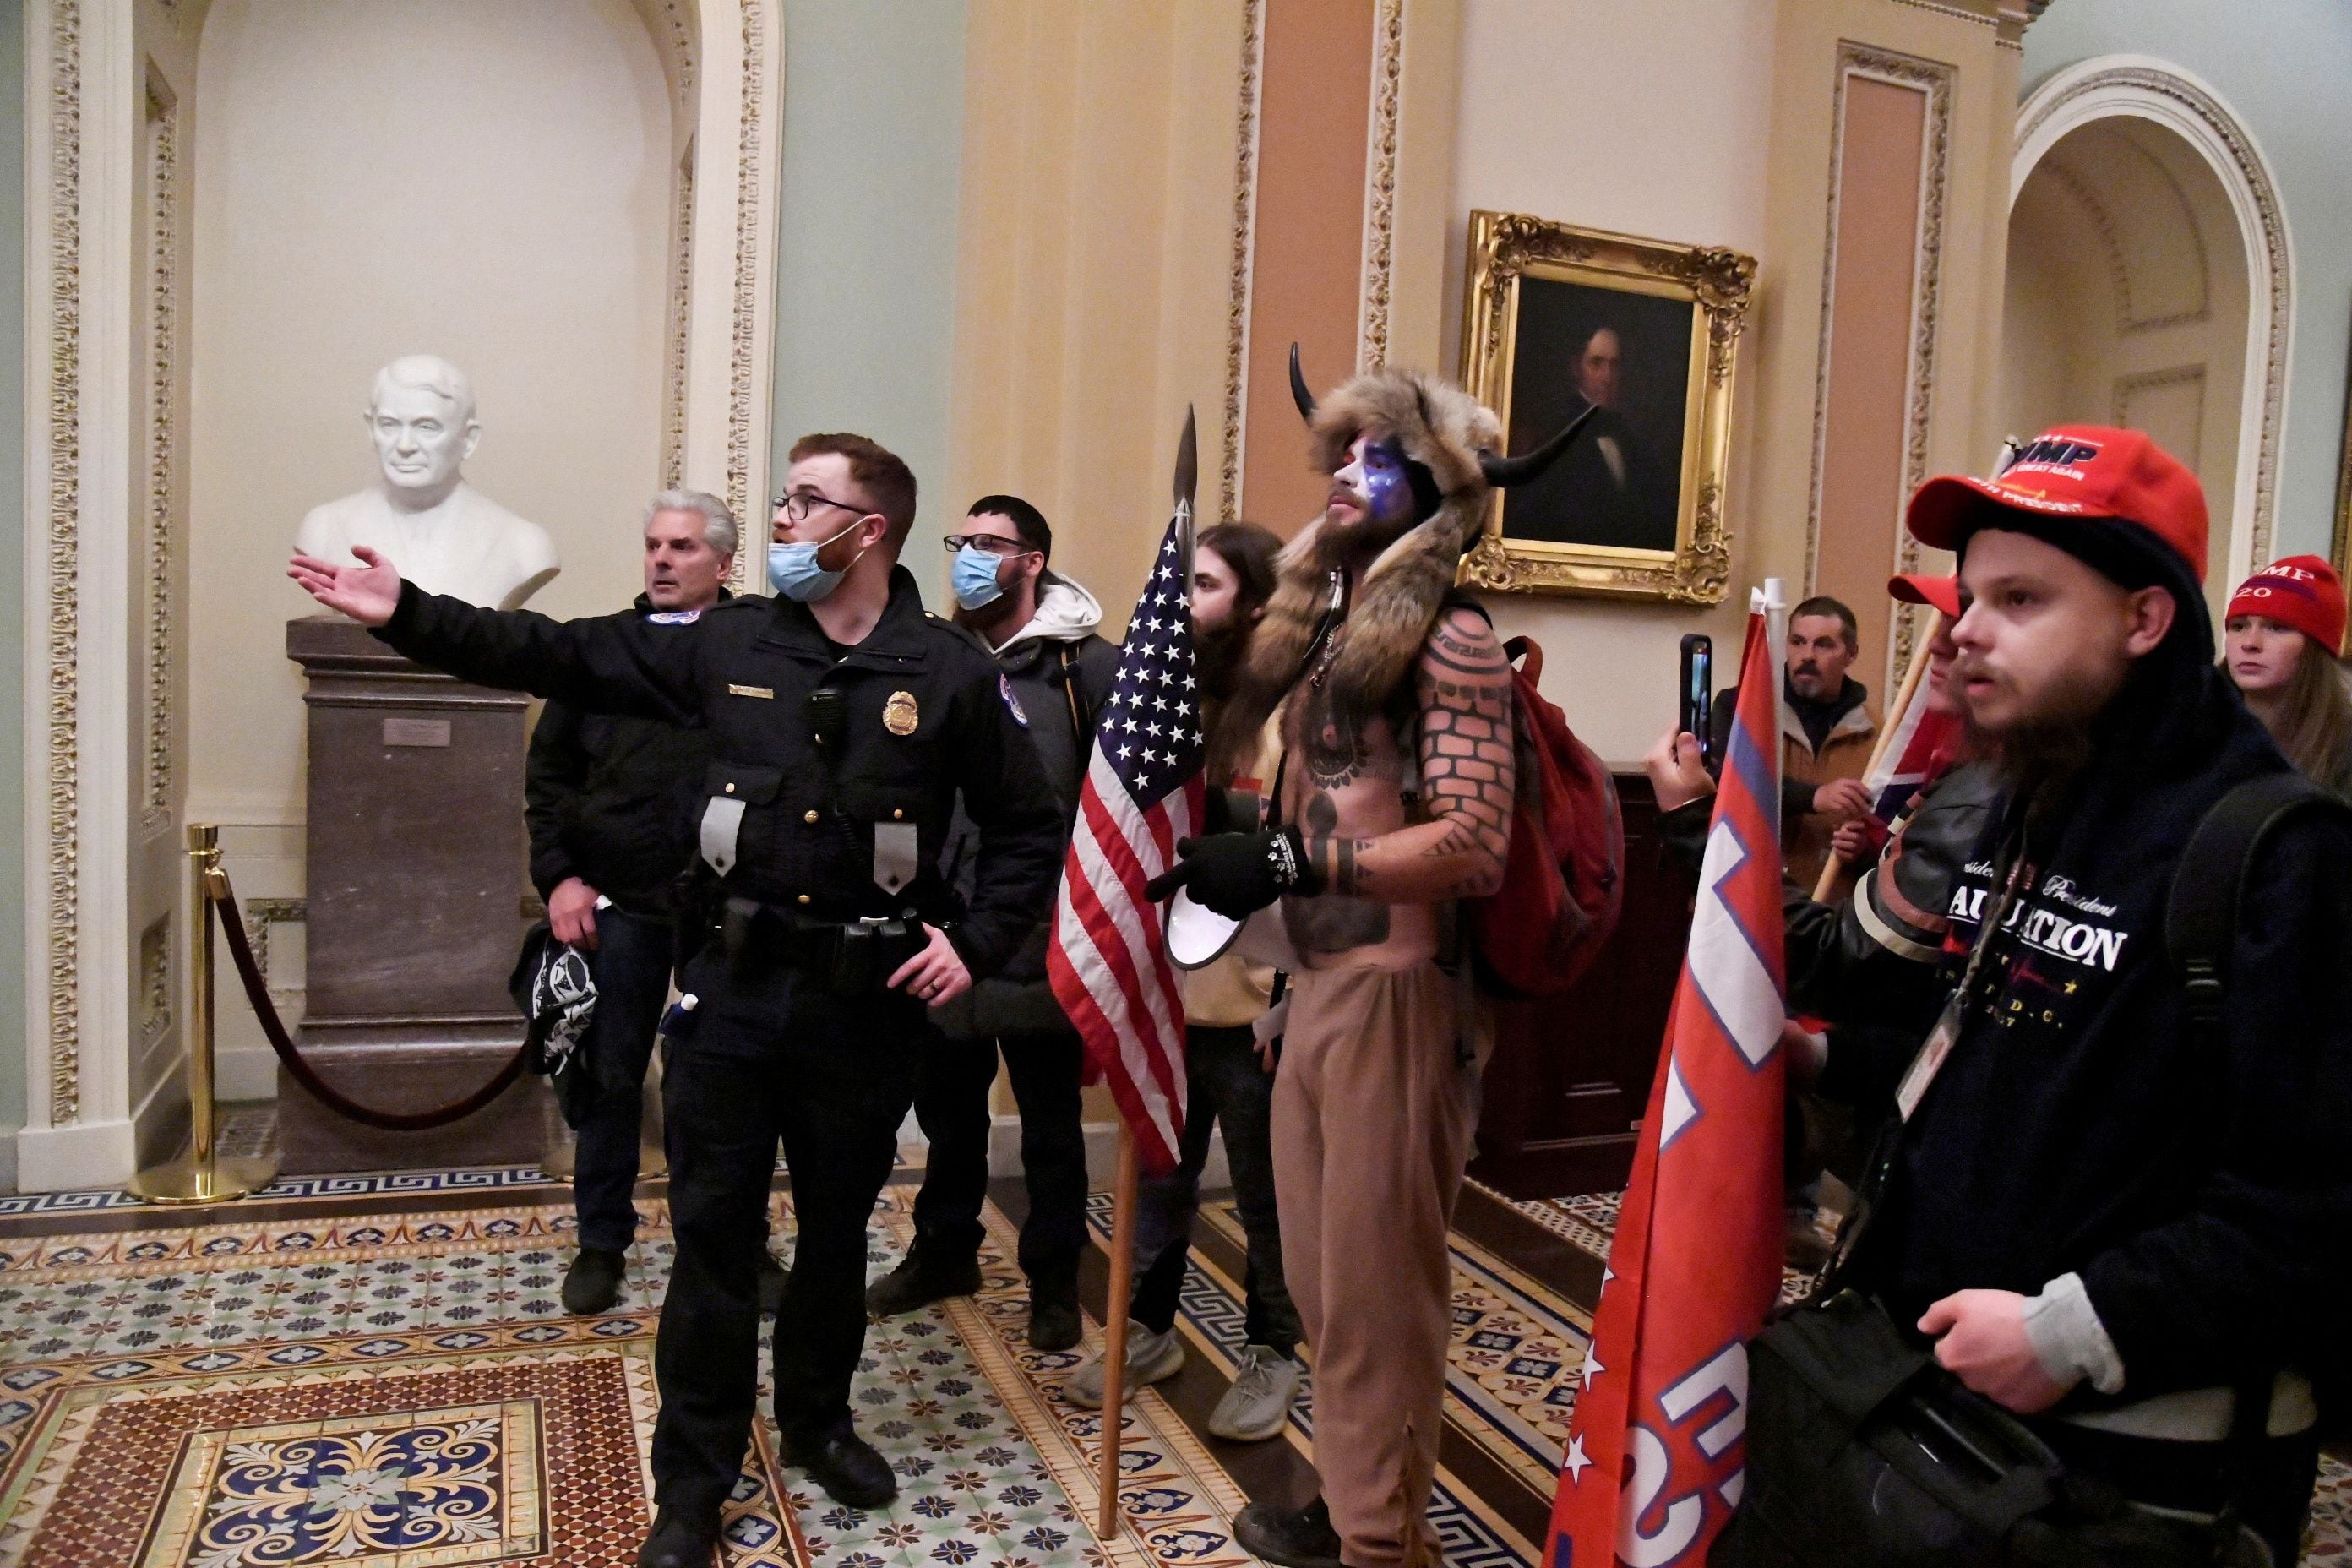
(792, 569)
(973, 577)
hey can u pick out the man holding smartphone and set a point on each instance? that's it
(1826, 729)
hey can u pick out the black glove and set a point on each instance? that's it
(1237, 874)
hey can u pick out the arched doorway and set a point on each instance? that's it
(2148, 284)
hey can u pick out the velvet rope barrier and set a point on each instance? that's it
(257, 991)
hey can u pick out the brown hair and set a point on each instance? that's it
(2315, 727)
(1249, 551)
(881, 473)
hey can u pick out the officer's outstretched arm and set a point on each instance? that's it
(622, 664)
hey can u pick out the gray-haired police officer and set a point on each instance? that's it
(844, 721)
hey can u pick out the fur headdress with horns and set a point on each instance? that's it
(1458, 443)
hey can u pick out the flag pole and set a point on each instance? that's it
(1903, 695)
(1122, 1280)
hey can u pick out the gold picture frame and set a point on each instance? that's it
(1604, 521)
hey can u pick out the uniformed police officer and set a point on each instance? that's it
(843, 720)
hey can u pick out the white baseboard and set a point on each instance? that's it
(1102, 1153)
(245, 1072)
(87, 1154)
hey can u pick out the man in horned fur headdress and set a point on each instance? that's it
(1381, 676)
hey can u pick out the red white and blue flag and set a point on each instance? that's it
(1144, 790)
(1656, 1453)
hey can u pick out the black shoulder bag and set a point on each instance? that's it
(1862, 1451)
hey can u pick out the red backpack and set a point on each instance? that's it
(1564, 878)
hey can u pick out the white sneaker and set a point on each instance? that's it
(1265, 1385)
(1150, 1358)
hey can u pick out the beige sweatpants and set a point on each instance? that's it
(1373, 1111)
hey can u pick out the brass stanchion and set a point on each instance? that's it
(203, 1177)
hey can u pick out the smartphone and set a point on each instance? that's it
(1698, 693)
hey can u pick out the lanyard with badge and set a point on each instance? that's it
(1879, 1168)
(1929, 1061)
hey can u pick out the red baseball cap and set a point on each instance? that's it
(2302, 592)
(2082, 471)
(1941, 593)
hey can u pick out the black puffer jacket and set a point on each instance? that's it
(611, 799)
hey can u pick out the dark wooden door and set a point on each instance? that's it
(1570, 1075)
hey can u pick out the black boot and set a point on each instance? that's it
(846, 1466)
(592, 1283)
(771, 1285)
(675, 1543)
(1295, 1537)
(1054, 1310)
(919, 1281)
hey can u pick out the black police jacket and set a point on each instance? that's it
(922, 715)
(611, 798)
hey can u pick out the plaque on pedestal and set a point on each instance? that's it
(415, 874)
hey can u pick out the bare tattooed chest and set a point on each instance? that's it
(1348, 784)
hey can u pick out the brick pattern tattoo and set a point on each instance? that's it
(1467, 774)
(1463, 689)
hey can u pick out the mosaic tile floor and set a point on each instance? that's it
(398, 1392)
(1590, 1220)
(1516, 1353)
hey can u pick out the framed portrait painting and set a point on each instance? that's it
(1560, 320)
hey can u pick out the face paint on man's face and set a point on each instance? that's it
(1387, 485)
(1376, 473)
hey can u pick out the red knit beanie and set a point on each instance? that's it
(2302, 592)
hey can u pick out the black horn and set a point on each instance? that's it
(1504, 472)
(1299, 393)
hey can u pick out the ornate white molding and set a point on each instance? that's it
(58, 919)
(745, 345)
(1244, 253)
(1933, 80)
(729, 298)
(2138, 87)
(163, 452)
(1379, 185)
(679, 321)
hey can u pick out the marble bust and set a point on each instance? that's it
(445, 536)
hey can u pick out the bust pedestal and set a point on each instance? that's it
(415, 874)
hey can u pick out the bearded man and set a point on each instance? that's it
(1380, 675)
(2115, 1199)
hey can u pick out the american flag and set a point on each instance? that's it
(1144, 790)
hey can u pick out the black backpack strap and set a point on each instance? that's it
(2200, 931)
(2201, 913)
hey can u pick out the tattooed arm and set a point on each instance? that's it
(1464, 687)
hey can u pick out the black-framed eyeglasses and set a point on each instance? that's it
(994, 543)
(796, 505)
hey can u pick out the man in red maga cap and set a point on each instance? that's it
(2109, 1205)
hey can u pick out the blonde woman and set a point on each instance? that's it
(2285, 634)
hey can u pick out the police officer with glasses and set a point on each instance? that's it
(844, 721)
